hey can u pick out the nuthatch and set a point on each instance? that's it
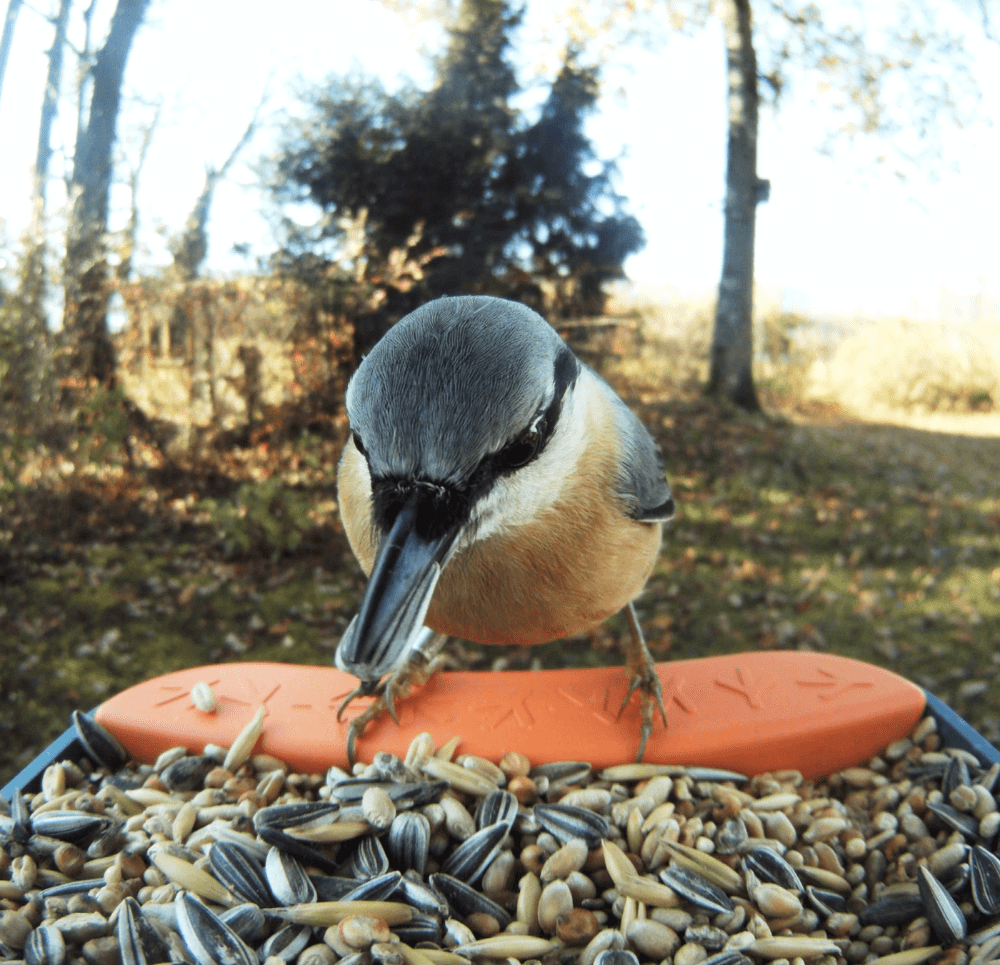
(495, 489)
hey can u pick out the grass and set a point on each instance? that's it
(803, 529)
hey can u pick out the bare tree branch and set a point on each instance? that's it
(191, 248)
(124, 269)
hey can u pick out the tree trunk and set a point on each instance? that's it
(92, 353)
(731, 375)
(33, 282)
(7, 38)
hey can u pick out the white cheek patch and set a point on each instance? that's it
(516, 500)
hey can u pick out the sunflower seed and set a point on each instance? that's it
(825, 902)
(241, 873)
(284, 816)
(471, 858)
(77, 827)
(424, 897)
(985, 880)
(299, 849)
(286, 943)
(768, 865)
(209, 939)
(498, 807)
(138, 940)
(942, 912)
(379, 888)
(369, 859)
(467, 900)
(704, 865)
(45, 946)
(566, 822)
(421, 928)
(696, 889)
(332, 887)
(287, 879)
(956, 774)
(99, 742)
(561, 773)
(728, 957)
(955, 819)
(188, 773)
(616, 956)
(247, 920)
(404, 795)
(409, 840)
(893, 909)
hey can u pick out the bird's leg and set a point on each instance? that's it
(422, 661)
(642, 676)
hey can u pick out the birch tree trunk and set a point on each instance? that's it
(731, 374)
(91, 351)
(34, 271)
(7, 37)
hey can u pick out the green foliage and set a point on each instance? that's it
(263, 518)
(103, 423)
(456, 189)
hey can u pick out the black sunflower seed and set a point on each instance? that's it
(564, 821)
(696, 889)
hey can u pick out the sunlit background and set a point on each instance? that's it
(842, 235)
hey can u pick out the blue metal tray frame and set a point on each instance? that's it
(955, 731)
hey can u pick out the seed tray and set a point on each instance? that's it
(747, 712)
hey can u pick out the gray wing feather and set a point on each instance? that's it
(642, 484)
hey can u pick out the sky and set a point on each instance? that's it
(839, 236)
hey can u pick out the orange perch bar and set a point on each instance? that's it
(750, 712)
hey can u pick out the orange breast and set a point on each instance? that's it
(574, 565)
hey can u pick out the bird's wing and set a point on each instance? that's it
(642, 483)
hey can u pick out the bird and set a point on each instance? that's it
(496, 489)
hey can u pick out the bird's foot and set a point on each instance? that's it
(421, 664)
(644, 678)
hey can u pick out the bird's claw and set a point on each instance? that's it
(644, 678)
(356, 692)
(418, 669)
(651, 691)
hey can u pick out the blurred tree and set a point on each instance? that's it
(26, 361)
(453, 190)
(91, 354)
(7, 37)
(888, 74)
(731, 372)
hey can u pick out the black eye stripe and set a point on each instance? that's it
(522, 450)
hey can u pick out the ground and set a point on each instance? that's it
(807, 528)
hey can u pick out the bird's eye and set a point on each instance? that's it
(523, 449)
(358, 445)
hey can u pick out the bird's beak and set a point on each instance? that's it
(406, 570)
